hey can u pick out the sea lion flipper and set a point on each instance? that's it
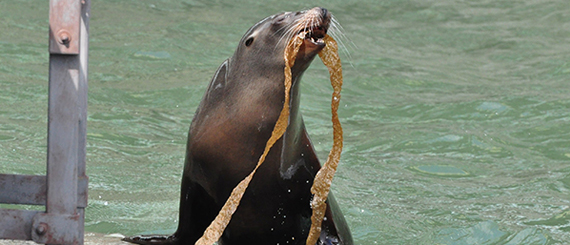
(334, 227)
(150, 239)
(309, 152)
(218, 82)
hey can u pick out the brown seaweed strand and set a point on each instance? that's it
(323, 179)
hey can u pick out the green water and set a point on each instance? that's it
(456, 113)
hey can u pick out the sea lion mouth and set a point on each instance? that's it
(313, 25)
(314, 34)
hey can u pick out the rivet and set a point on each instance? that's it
(41, 229)
(63, 37)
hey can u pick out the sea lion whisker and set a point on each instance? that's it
(338, 29)
(309, 27)
(338, 35)
(337, 32)
(293, 27)
(296, 28)
(285, 36)
(312, 29)
(285, 27)
(289, 33)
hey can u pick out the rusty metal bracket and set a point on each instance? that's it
(64, 26)
(56, 228)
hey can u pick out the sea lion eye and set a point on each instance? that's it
(249, 41)
(280, 19)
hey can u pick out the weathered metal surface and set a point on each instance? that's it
(83, 86)
(31, 190)
(16, 224)
(82, 186)
(22, 189)
(82, 100)
(64, 29)
(82, 91)
(62, 134)
(56, 228)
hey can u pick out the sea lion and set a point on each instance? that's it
(228, 134)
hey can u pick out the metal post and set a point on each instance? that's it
(64, 189)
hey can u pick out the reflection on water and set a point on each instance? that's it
(455, 113)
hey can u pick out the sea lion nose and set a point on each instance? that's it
(324, 12)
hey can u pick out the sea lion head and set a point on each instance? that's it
(266, 41)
